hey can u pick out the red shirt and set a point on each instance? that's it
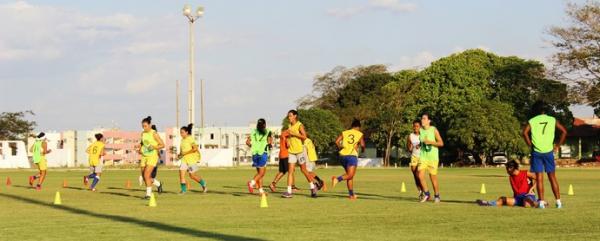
(283, 150)
(520, 183)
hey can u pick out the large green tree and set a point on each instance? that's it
(15, 126)
(322, 126)
(578, 56)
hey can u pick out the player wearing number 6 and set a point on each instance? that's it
(539, 134)
(348, 143)
(95, 151)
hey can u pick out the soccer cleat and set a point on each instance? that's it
(160, 187)
(425, 198)
(204, 189)
(86, 180)
(334, 181)
(38, 187)
(286, 195)
(181, 193)
(31, 179)
(320, 184)
(353, 197)
(482, 202)
(313, 193)
(146, 197)
(542, 204)
(558, 205)
(437, 200)
(93, 189)
(250, 188)
(421, 194)
(272, 187)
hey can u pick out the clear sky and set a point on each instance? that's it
(86, 64)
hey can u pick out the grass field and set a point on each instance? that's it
(227, 212)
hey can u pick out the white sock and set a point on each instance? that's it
(252, 182)
(289, 189)
(261, 191)
(156, 183)
(148, 191)
(141, 180)
(312, 185)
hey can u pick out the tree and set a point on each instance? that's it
(14, 126)
(578, 57)
(322, 126)
(394, 110)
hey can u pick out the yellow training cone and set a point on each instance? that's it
(57, 200)
(403, 188)
(152, 202)
(263, 201)
(482, 189)
(571, 193)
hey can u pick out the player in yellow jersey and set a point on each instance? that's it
(95, 151)
(348, 143)
(151, 143)
(297, 135)
(39, 149)
(190, 158)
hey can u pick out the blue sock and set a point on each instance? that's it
(202, 183)
(351, 192)
(96, 180)
(183, 187)
(428, 194)
(492, 203)
(93, 175)
(340, 178)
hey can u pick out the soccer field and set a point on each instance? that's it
(228, 212)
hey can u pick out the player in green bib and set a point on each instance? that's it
(260, 141)
(539, 134)
(39, 151)
(429, 159)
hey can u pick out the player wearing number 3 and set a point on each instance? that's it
(539, 134)
(348, 143)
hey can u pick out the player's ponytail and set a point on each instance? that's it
(188, 128)
(153, 127)
(147, 120)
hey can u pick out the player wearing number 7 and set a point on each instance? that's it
(348, 143)
(539, 134)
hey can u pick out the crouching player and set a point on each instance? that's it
(522, 183)
(95, 151)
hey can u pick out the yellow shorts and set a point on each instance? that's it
(414, 161)
(431, 166)
(43, 164)
(149, 161)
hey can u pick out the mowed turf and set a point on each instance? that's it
(228, 212)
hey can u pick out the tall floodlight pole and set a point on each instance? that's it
(192, 17)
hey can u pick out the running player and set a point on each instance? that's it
(39, 150)
(95, 151)
(260, 140)
(311, 155)
(296, 154)
(283, 159)
(429, 158)
(542, 128)
(151, 143)
(348, 143)
(522, 183)
(413, 145)
(190, 157)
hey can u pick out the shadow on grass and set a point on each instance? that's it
(137, 190)
(143, 223)
(458, 201)
(116, 194)
(488, 175)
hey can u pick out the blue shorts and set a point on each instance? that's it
(520, 199)
(541, 162)
(348, 161)
(259, 161)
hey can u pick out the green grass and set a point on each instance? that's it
(227, 212)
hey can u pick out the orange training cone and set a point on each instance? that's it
(128, 184)
(8, 181)
(65, 183)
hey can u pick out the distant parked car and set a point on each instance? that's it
(499, 157)
(468, 158)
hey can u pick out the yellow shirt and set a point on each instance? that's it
(186, 145)
(295, 142)
(350, 140)
(96, 150)
(310, 150)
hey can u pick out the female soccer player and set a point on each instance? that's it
(260, 140)
(95, 151)
(283, 159)
(296, 154)
(522, 183)
(190, 157)
(151, 143)
(39, 150)
(429, 158)
(348, 143)
(413, 144)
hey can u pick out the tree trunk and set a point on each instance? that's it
(388, 149)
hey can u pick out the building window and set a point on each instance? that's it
(212, 136)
